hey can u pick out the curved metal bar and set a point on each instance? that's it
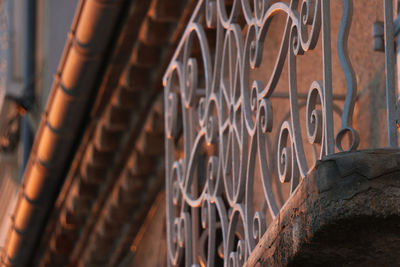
(343, 54)
(351, 82)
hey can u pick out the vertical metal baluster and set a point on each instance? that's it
(195, 223)
(396, 29)
(390, 76)
(327, 67)
(351, 81)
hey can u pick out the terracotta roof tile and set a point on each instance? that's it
(118, 118)
(52, 147)
(62, 105)
(137, 78)
(92, 174)
(107, 139)
(77, 69)
(131, 183)
(126, 98)
(97, 157)
(86, 189)
(89, 36)
(166, 10)
(145, 55)
(155, 32)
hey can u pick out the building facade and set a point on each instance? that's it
(208, 133)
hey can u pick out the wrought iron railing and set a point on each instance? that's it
(233, 158)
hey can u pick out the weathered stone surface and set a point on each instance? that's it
(346, 212)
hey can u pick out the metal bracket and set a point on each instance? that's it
(378, 32)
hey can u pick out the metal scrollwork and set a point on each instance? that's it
(220, 124)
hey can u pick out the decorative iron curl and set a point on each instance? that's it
(314, 117)
(285, 153)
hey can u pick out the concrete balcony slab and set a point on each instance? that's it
(346, 212)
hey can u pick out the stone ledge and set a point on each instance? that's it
(346, 212)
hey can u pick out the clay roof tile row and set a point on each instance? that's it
(72, 86)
